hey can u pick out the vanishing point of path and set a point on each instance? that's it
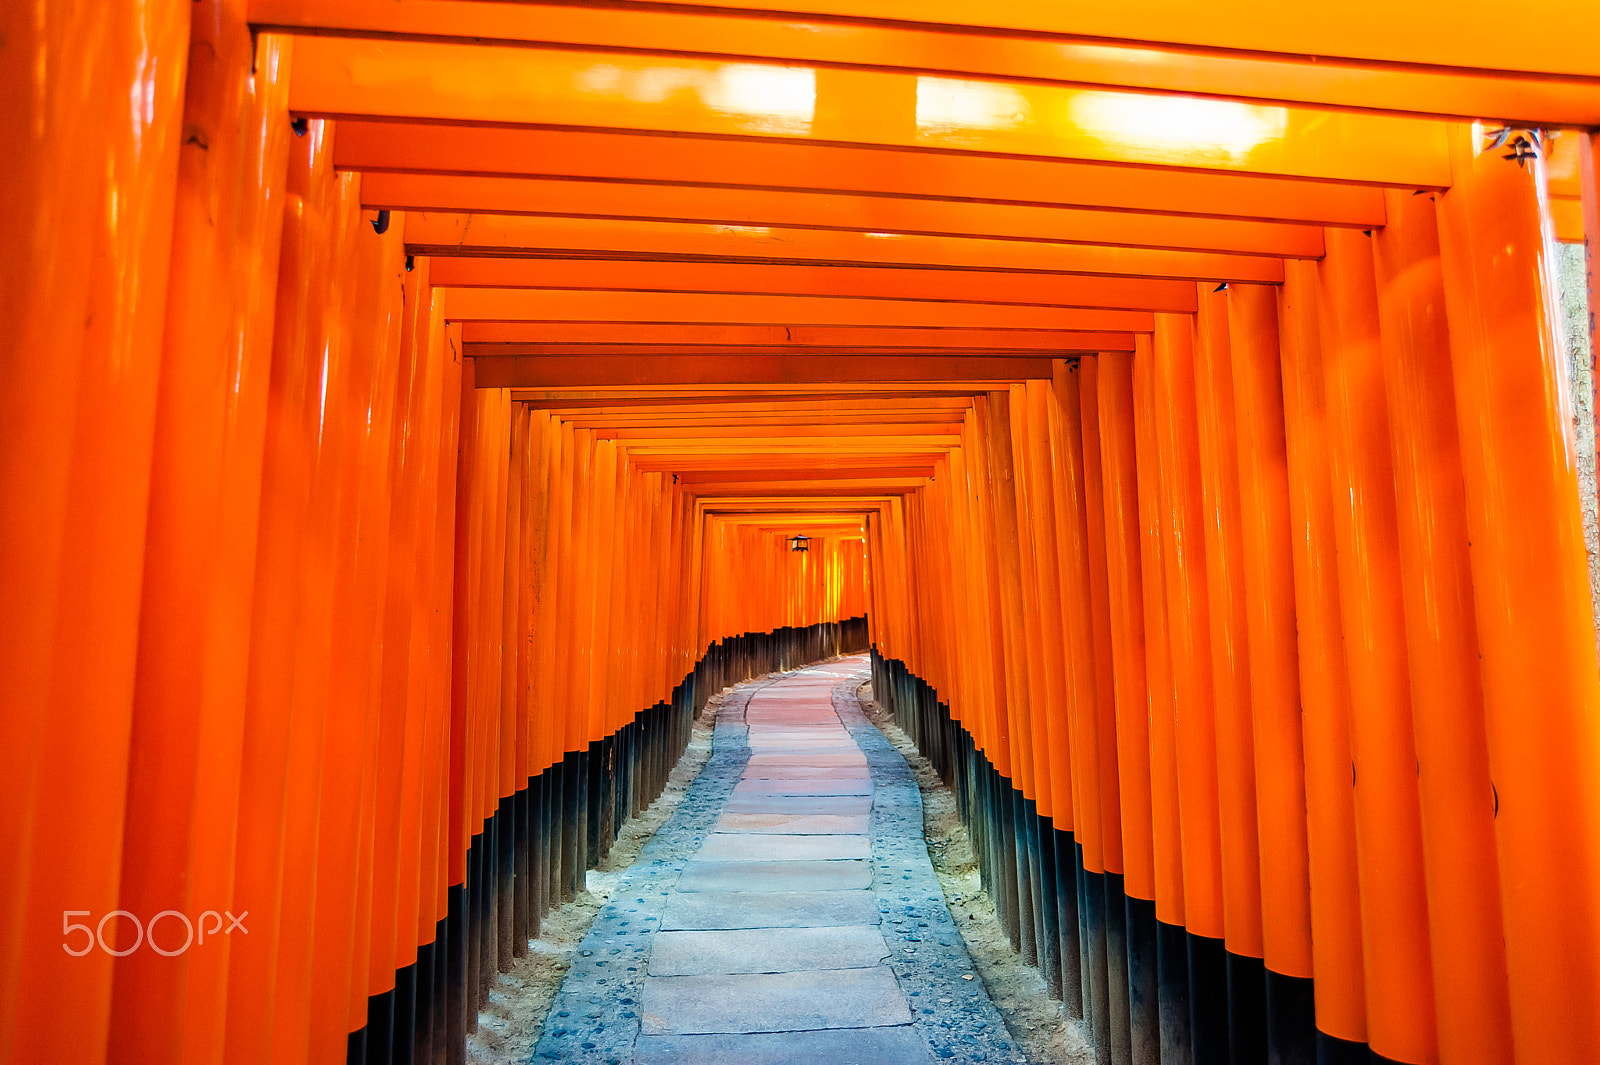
(787, 912)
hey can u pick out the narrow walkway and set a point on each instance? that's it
(786, 913)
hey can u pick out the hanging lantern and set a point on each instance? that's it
(799, 542)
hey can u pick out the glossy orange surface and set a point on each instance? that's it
(1388, 820)
(1041, 57)
(1466, 932)
(1266, 535)
(539, 305)
(507, 235)
(604, 338)
(1188, 625)
(1335, 903)
(1166, 831)
(776, 163)
(571, 198)
(597, 90)
(1534, 621)
(1407, 36)
(966, 286)
(1114, 391)
(1230, 642)
(92, 214)
(401, 397)
(189, 715)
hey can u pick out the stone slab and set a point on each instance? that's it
(835, 805)
(838, 1046)
(855, 758)
(804, 731)
(796, 824)
(775, 876)
(772, 1002)
(775, 909)
(780, 847)
(807, 772)
(807, 756)
(766, 950)
(757, 786)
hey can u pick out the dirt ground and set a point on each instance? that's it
(510, 1026)
(1036, 1021)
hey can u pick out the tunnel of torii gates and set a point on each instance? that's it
(409, 406)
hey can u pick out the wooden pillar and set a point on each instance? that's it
(1268, 591)
(1467, 935)
(1340, 984)
(1188, 627)
(1394, 925)
(183, 797)
(89, 207)
(1230, 674)
(1531, 594)
(1166, 835)
(1124, 557)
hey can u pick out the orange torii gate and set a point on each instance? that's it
(408, 405)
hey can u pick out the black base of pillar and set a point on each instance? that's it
(1172, 969)
(1144, 1004)
(1291, 1020)
(1331, 1050)
(1208, 1000)
(1116, 917)
(379, 1049)
(1247, 1010)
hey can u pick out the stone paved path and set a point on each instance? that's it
(786, 913)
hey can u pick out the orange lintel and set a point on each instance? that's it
(857, 341)
(714, 337)
(681, 464)
(843, 445)
(697, 481)
(512, 235)
(803, 484)
(829, 509)
(542, 305)
(852, 465)
(1472, 36)
(418, 147)
(799, 420)
(570, 371)
(554, 397)
(718, 34)
(1066, 342)
(1055, 290)
(660, 433)
(789, 405)
(458, 82)
(641, 201)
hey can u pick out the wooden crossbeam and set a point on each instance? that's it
(640, 156)
(968, 51)
(917, 114)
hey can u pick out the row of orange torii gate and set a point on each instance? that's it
(350, 607)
